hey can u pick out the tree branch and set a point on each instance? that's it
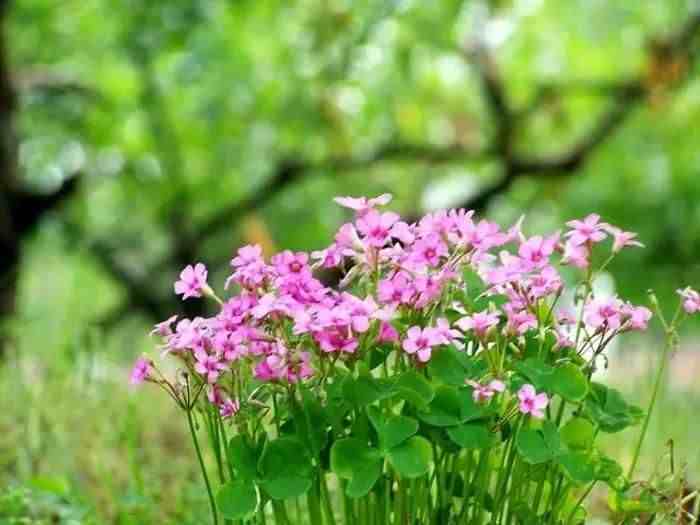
(624, 100)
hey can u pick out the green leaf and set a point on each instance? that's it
(446, 366)
(537, 371)
(539, 446)
(396, 430)
(606, 407)
(350, 455)
(473, 436)
(578, 467)
(287, 486)
(243, 457)
(363, 480)
(609, 471)
(469, 409)
(412, 458)
(445, 409)
(285, 468)
(237, 499)
(569, 382)
(415, 389)
(578, 434)
(355, 460)
(621, 502)
(361, 391)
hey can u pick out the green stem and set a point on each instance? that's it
(326, 499)
(655, 392)
(193, 432)
(579, 502)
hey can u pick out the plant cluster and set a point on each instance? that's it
(448, 378)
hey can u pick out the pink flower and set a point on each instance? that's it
(328, 258)
(140, 372)
(193, 281)
(421, 342)
(622, 239)
(376, 227)
(271, 368)
(691, 300)
(548, 281)
(531, 402)
(428, 250)
(387, 333)
(445, 332)
(403, 232)
(247, 255)
(637, 317)
(362, 205)
(589, 230)
(229, 408)
(482, 236)
(535, 251)
(563, 339)
(519, 322)
(336, 339)
(576, 255)
(484, 393)
(209, 366)
(164, 329)
(396, 290)
(480, 322)
(604, 313)
(291, 264)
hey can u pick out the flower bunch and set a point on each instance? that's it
(449, 360)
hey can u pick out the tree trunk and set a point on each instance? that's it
(9, 240)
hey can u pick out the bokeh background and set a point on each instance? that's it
(137, 137)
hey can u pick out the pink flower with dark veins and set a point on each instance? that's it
(536, 251)
(291, 264)
(429, 250)
(531, 402)
(375, 228)
(421, 342)
(209, 366)
(604, 313)
(588, 230)
(396, 290)
(387, 333)
(445, 332)
(480, 323)
(193, 281)
(484, 393)
(622, 239)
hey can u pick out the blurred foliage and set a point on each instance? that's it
(172, 112)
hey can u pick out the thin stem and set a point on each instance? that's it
(579, 502)
(193, 432)
(655, 392)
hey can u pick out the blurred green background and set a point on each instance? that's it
(140, 136)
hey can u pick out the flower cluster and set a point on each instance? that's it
(448, 344)
(400, 290)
